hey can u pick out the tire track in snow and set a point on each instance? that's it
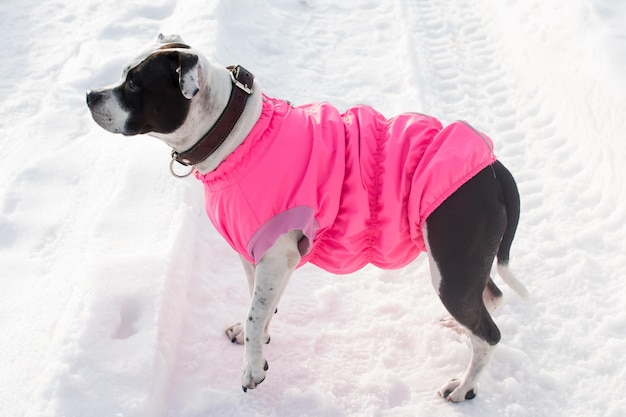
(463, 78)
(579, 254)
(481, 67)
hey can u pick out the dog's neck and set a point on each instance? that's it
(209, 103)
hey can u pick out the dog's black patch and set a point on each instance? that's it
(152, 95)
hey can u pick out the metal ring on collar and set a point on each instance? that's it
(174, 172)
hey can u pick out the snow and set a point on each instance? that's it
(116, 290)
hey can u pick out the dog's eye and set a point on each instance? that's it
(132, 86)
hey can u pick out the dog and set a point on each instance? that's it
(286, 185)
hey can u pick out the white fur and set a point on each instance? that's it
(236, 332)
(507, 276)
(158, 42)
(435, 275)
(214, 85)
(109, 113)
(271, 275)
(189, 84)
(481, 354)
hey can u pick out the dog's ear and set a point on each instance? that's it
(188, 75)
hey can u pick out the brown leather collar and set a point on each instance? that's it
(242, 88)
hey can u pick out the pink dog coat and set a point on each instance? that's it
(359, 186)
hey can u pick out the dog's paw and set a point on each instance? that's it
(253, 376)
(451, 323)
(456, 391)
(235, 333)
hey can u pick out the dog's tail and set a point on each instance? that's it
(512, 204)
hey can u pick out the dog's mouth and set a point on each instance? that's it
(105, 113)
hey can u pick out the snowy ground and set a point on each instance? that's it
(115, 289)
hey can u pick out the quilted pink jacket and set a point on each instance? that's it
(358, 185)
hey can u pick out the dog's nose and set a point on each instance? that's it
(93, 97)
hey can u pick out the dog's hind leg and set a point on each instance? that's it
(469, 312)
(492, 298)
(462, 237)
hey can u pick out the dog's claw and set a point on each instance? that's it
(253, 385)
(451, 392)
(250, 382)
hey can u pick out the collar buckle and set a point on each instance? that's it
(234, 75)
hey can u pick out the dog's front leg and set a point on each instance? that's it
(270, 279)
(235, 332)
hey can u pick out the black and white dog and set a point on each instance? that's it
(206, 113)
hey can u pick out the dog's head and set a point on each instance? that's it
(154, 93)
